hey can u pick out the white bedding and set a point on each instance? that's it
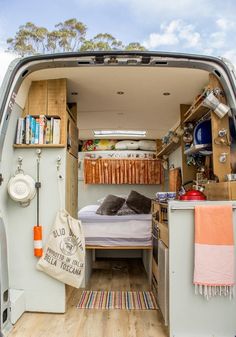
(114, 230)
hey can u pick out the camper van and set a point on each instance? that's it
(118, 196)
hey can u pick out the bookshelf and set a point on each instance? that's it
(38, 145)
(38, 130)
(47, 98)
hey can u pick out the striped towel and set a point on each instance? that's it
(214, 251)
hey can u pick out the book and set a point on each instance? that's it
(42, 127)
(33, 130)
(18, 131)
(51, 130)
(48, 132)
(56, 131)
(27, 129)
(22, 131)
(36, 139)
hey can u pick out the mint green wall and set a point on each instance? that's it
(42, 292)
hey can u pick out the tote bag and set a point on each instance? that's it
(64, 253)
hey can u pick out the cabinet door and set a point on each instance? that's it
(37, 103)
(163, 280)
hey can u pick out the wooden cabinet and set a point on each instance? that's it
(48, 98)
(72, 185)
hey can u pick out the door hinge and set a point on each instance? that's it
(1, 179)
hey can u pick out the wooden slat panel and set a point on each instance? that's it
(56, 103)
(123, 171)
(37, 98)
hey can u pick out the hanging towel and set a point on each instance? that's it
(214, 251)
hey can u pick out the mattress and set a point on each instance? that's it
(115, 230)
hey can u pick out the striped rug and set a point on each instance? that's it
(129, 300)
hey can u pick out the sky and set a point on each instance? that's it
(199, 27)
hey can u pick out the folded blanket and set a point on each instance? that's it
(214, 251)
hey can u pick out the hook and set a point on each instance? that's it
(58, 162)
(19, 166)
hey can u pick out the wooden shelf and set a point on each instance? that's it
(167, 149)
(24, 146)
(195, 113)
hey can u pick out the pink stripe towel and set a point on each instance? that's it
(214, 251)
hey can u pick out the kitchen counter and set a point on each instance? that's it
(192, 315)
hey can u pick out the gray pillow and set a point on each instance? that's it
(139, 203)
(125, 210)
(110, 205)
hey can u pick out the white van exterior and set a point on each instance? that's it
(17, 263)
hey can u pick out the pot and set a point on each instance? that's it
(192, 195)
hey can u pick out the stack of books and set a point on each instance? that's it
(38, 130)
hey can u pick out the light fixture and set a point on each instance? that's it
(212, 102)
(166, 93)
(119, 133)
(120, 92)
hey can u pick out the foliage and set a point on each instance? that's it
(135, 46)
(68, 36)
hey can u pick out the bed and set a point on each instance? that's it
(115, 232)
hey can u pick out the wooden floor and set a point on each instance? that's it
(108, 275)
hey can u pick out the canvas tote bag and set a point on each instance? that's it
(64, 253)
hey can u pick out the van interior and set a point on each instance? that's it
(123, 129)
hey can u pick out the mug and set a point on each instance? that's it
(161, 196)
(171, 195)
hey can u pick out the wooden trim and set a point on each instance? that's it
(37, 145)
(220, 169)
(118, 247)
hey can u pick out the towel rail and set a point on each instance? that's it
(187, 208)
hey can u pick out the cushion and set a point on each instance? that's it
(127, 145)
(147, 145)
(100, 201)
(139, 203)
(98, 145)
(125, 210)
(110, 205)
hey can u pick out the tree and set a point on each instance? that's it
(29, 39)
(135, 46)
(68, 36)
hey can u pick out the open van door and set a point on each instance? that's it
(4, 287)
(14, 227)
